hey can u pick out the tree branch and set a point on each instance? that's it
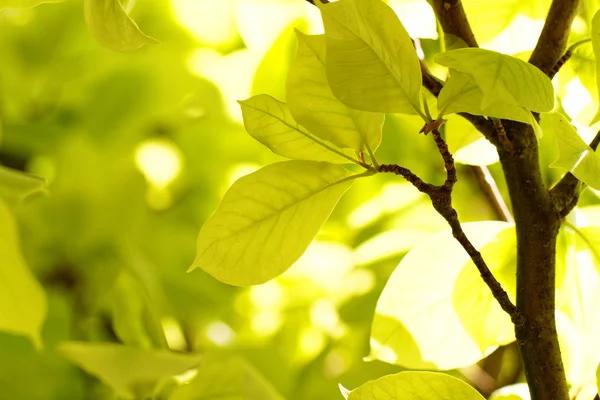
(441, 199)
(452, 18)
(565, 193)
(553, 39)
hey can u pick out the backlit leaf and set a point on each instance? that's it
(371, 61)
(314, 106)
(269, 121)
(111, 26)
(574, 154)
(415, 385)
(267, 219)
(131, 372)
(502, 78)
(596, 47)
(16, 186)
(22, 299)
(422, 295)
(227, 378)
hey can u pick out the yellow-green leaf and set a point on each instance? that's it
(421, 295)
(22, 299)
(415, 385)
(574, 154)
(502, 78)
(314, 106)
(16, 186)
(596, 47)
(371, 61)
(132, 373)
(112, 27)
(226, 377)
(267, 220)
(269, 121)
(24, 3)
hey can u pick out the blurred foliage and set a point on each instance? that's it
(137, 150)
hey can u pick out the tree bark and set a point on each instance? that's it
(537, 222)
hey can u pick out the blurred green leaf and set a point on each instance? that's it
(226, 378)
(596, 47)
(24, 3)
(132, 373)
(22, 299)
(314, 106)
(16, 186)
(421, 293)
(269, 121)
(267, 219)
(372, 64)
(415, 385)
(112, 27)
(574, 154)
(502, 78)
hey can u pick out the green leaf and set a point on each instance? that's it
(502, 78)
(421, 295)
(598, 377)
(314, 106)
(371, 61)
(269, 121)
(462, 94)
(16, 186)
(415, 385)
(227, 378)
(111, 26)
(132, 373)
(22, 299)
(574, 154)
(596, 47)
(267, 220)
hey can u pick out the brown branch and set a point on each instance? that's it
(565, 193)
(488, 186)
(452, 18)
(441, 199)
(555, 34)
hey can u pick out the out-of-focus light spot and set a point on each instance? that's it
(366, 213)
(520, 36)
(579, 26)
(268, 296)
(173, 334)
(396, 196)
(360, 281)
(324, 316)
(220, 333)
(311, 342)
(240, 170)
(261, 21)
(232, 74)
(314, 19)
(417, 17)
(577, 97)
(381, 352)
(186, 377)
(266, 323)
(335, 364)
(211, 22)
(159, 161)
(479, 152)
(323, 263)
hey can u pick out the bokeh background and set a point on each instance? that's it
(138, 148)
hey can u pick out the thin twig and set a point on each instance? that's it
(441, 199)
(488, 186)
(555, 34)
(565, 57)
(565, 193)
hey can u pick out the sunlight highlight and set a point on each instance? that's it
(159, 161)
(518, 37)
(220, 334)
(266, 323)
(577, 97)
(173, 333)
